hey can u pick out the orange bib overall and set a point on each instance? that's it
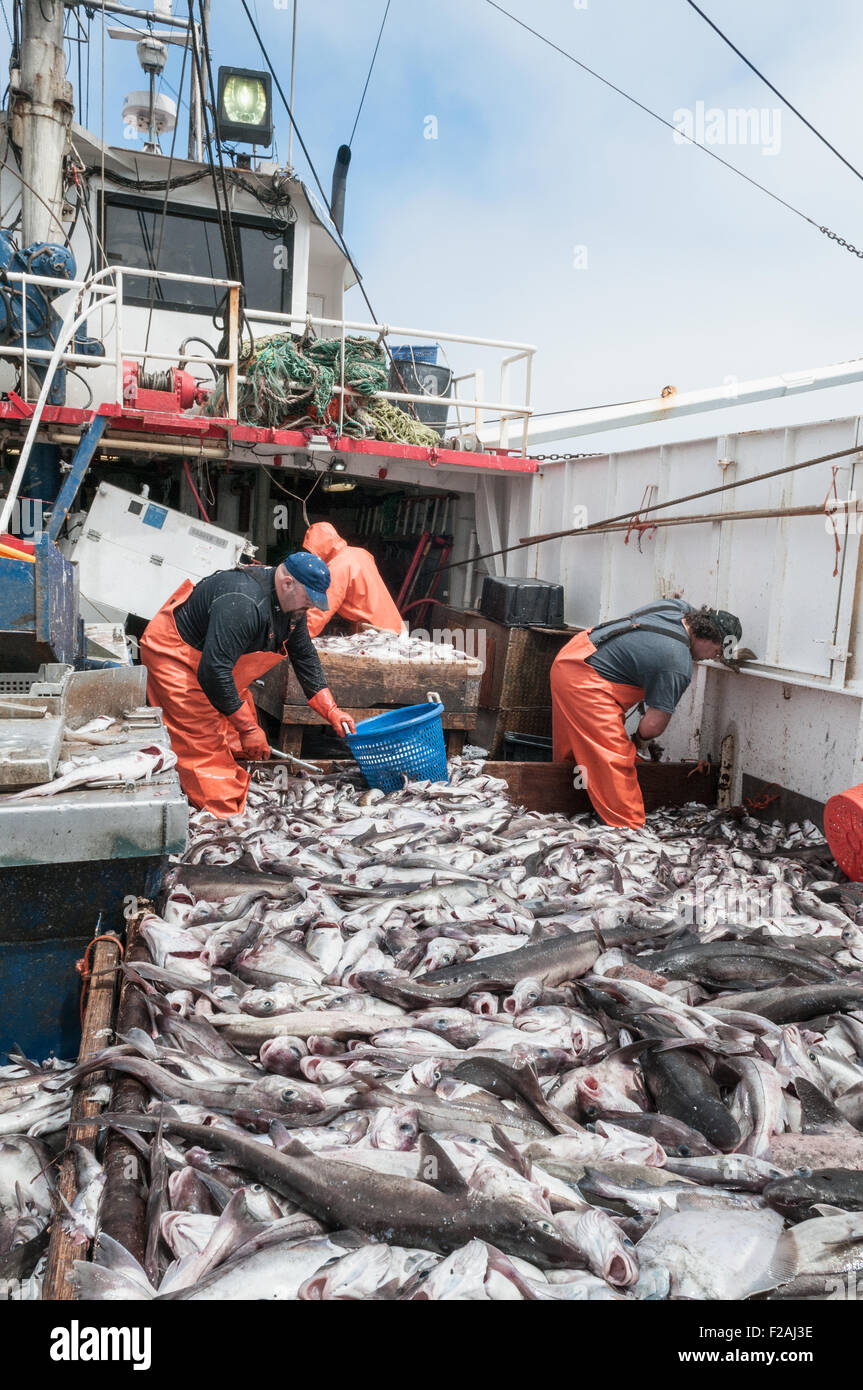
(201, 737)
(587, 713)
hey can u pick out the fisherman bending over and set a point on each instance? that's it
(357, 591)
(204, 648)
(603, 672)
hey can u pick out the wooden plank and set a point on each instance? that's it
(359, 681)
(96, 1034)
(124, 1202)
(290, 739)
(548, 786)
(301, 714)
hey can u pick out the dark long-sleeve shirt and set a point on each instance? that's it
(234, 612)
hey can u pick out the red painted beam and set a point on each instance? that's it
(230, 432)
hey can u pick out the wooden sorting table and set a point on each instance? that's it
(364, 686)
(515, 694)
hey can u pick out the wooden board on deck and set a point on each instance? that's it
(358, 682)
(301, 714)
(549, 786)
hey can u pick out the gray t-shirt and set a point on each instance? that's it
(660, 665)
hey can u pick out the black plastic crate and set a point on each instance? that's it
(526, 748)
(522, 602)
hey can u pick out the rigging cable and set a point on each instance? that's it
(834, 236)
(369, 74)
(226, 228)
(775, 90)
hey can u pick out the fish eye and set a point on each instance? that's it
(544, 1226)
(590, 1110)
(406, 1127)
(266, 1004)
(630, 1244)
(813, 1056)
(803, 1172)
(256, 1187)
(289, 1095)
(684, 1150)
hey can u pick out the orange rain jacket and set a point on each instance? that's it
(587, 714)
(205, 743)
(356, 590)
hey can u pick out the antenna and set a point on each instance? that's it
(179, 35)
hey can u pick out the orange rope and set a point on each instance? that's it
(642, 527)
(84, 966)
(758, 803)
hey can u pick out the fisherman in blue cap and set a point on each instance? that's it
(204, 648)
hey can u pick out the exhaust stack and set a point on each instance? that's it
(340, 178)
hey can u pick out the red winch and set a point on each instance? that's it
(171, 390)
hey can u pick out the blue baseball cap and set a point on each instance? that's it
(312, 573)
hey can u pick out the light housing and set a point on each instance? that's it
(245, 107)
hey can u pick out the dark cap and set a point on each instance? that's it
(312, 573)
(728, 623)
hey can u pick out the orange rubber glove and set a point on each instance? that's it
(324, 705)
(252, 736)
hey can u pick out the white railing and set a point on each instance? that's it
(506, 410)
(105, 289)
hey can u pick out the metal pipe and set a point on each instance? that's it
(293, 71)
(67, 331)
(340, 178)
(662, 408)
(44, 110)
(385, 329)
(765, 513)
(444, 400)
(137, 446)
(110, 7)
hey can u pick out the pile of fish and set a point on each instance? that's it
(391, 646)
(433, 1046)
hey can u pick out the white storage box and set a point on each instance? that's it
(133, 553)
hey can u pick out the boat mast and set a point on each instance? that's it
(43, 114)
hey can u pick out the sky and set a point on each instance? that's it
(547, 209)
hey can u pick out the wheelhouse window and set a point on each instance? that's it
(191, 244)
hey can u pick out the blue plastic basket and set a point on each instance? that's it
(407, 741)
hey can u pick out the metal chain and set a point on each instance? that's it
(561, 458)
(840, 241)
